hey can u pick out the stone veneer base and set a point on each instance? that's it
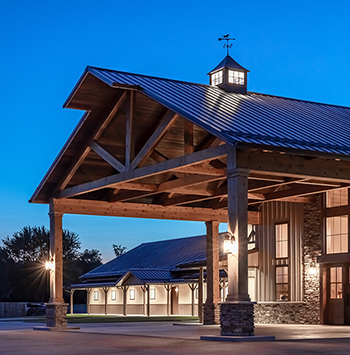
(56, 315)
(211, 313)
(237, 318)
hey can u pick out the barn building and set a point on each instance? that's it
(150, 147)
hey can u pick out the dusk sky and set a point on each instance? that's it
(297, 49)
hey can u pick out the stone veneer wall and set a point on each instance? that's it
(308, 311)
(211, 313)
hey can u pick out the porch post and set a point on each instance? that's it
(71, 301)
(88, 291)
(237, 313)
(168, 288)
(211, 307)
(148, 301)
(56, 309)
(200, 295)
(143, 288)
(105, 290)
(125, 293)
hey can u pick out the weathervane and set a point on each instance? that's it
(227, 39)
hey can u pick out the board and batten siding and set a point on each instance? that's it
(273, 213)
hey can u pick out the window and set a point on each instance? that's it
(132, 294)
(337, 234)
(337, 197)
(152, 293)
(281, 233)
(216, 78)
(113, 295)
(336, 282)
(236, 77)
(95, 295)
(282, 283)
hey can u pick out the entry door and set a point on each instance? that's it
(174, 300)
(336, 295)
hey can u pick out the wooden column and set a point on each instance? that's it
(237, 203)
(71, 301)
(125, 294)
(144, 289)
(88, 291)
(192, 288)
(213, 291)
(105, 290)
(56, 275)
(168, 289)
(200, 295)
(148, 301)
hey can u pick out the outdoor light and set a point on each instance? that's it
(50, 265)
(312, 271)
(230, 244)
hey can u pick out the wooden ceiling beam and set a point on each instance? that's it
(136, 210)
(143, 172)
(69, 173)
(188, 137)
(294, 166)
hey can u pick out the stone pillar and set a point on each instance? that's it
(56, 309)
(211, 311)
(312, 248)
(237, 313)
(200, 295)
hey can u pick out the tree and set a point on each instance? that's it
(118, 249)
(22, 263)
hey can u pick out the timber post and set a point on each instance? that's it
(148, 301)
(237, 313)
(71, 301)
(56, 309)
(200, 295)
(125, 293)
(168, 289)
(211, 308)
(105, 290)
(88, 291)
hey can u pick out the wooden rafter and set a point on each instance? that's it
(108, 157)
(188, 137)
(131, 175)
(86, 150)
(163, 126)
(129, 144)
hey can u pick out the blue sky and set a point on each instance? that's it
(297, 49)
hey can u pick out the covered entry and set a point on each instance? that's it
(157, 148)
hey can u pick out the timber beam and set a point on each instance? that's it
(294, 166)
(138, 210)
(130, 175)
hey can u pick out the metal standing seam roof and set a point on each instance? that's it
(151, 260)
(251, 118)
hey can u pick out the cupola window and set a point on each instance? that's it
(236, 77)
(216, 78)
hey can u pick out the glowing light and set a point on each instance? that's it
(230, 245)
(312, 271)
(50, 265)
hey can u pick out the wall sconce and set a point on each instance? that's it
(50, 265)
(230, 244)
(313, 271)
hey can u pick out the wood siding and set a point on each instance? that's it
(272, 213)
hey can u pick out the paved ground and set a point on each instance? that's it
(163, 338)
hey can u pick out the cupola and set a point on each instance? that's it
(229, 76)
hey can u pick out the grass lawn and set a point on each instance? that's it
(85, 318)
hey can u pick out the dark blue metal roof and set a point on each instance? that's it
(252, 118)
(152, 276)
(155, 259)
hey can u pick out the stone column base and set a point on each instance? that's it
(211, 313)
(237, 318)
(56, 315)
